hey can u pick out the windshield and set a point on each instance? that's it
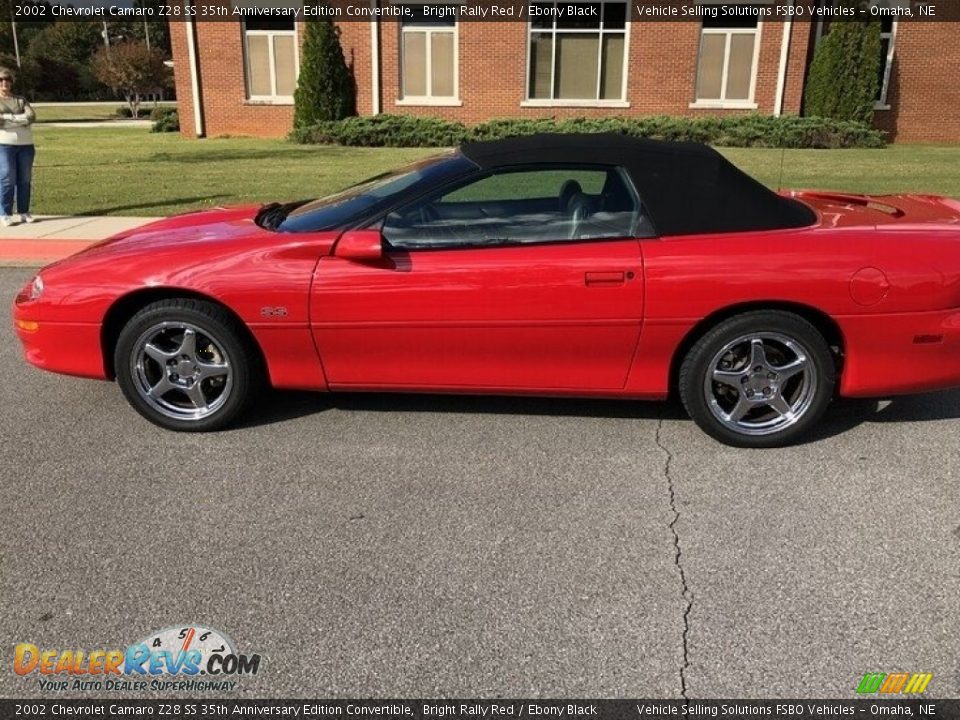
(368, 197)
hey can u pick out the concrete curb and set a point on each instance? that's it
(53, 237)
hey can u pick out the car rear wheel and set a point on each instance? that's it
(186, 365)
(761, 379)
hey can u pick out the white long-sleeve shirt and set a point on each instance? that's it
(16, 117)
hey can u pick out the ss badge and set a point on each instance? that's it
(269, 311)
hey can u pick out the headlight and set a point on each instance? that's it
(36, 288)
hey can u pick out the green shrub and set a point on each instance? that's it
(325, 89)
(497, 129)
(159, 112)
(384, 131)
(124, 111)
(788, 131)
(165, 119)
(844, 76)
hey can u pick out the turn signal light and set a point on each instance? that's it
(28, 325)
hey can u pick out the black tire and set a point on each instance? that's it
(207, 385)
(793, 369)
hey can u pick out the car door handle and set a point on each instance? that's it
(604, 278)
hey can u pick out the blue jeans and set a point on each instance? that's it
(16, 170)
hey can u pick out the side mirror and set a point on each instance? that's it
(362, 245)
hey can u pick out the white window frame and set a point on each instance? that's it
(272, 98)
(891, 36)
(723, 103)
(599, 32)
(430, 98)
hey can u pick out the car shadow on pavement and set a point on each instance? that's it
(846, 414)
(275, 406)
(278, 406)
(842, 416)
(509, 405)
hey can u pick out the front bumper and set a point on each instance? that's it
(68, 348)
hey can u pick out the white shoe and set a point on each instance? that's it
(6, 221)
(26, 217)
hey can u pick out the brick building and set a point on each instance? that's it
(238, 78)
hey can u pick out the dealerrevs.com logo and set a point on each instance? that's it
(186, 658)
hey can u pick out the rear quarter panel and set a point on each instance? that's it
(690, 278)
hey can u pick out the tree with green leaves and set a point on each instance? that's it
(26, 29)
(56, 64)
(844, 78)
(69, 42)
(325, 88)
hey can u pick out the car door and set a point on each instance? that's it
(526, 279)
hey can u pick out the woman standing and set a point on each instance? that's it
(16, 151)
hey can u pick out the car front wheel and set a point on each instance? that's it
(186, 365)
(761, 379)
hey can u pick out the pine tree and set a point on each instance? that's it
(325, 89)
(844, 77)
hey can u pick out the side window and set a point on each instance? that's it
(521, 206)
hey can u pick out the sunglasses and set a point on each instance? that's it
(6, 79)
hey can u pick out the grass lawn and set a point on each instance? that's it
(130, 171)
(79, 112)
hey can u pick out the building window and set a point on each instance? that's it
(577, 51)
(727, 63)
(428, 51)
(272, 63)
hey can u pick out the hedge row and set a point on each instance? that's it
(741, 131)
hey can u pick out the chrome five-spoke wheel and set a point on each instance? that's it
(181, 370)
(760, 379)
(187, 364)
(760, 383)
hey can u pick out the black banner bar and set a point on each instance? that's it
(202, 708)
(573, 14)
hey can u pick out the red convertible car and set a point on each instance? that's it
(564, 265)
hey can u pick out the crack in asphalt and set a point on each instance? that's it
(677, 559)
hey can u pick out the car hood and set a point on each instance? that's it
(177, 250)
(219, 225)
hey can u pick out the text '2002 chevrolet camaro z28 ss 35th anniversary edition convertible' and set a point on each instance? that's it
(562, 265)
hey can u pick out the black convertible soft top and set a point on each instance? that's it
(687, 188)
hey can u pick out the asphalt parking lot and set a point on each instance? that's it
(440, 546)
